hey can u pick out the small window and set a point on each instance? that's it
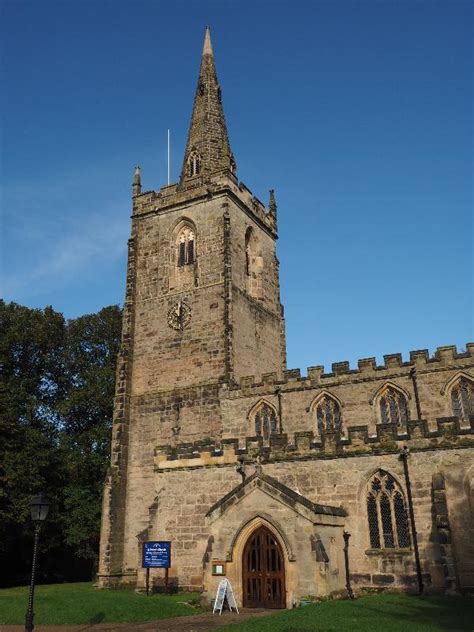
(265, 420)
(248, 237)
(462, 398)
(387, 514)
(328, 415)
(194, 164)
(393, 407)
(185, 247)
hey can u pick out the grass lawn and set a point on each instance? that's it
(375, 613)
(80, 603)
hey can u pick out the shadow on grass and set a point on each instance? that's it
(388, 613)
(97, 618)
(446, 613)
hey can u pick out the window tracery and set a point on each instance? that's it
(185, 247)
(328, 415)
(265, 420)
(462, 398)
(387, 513)
(393, 407)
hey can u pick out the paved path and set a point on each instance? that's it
(194, 623)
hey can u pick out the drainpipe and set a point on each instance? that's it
(404, 452)
(346, 535)
(278, 393)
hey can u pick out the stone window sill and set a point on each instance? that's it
(388, 552)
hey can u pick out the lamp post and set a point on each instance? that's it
(404, 452)
(39, 508)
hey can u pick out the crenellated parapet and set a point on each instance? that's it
(367, 369)
(357, 441)
(197, 188)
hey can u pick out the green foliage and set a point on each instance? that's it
(390, 612)
(92, 344)
(56, 401)
(62, 604)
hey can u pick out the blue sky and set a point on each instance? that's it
(359, 114)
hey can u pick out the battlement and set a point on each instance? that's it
(366, 368)
(199, 187)
(305, 445)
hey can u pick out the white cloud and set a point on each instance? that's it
(58, 230)
(48, 258)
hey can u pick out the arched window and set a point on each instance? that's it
(387, 514)
(265, 420)
(185, 247)
(328, 415)
(462, 398)
(194, 164)
(393, 407)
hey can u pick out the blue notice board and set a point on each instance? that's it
(156, 554)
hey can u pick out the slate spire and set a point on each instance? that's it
(208, 149)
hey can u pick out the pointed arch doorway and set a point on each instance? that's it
(263, 571)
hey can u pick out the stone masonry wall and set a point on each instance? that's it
(172, 376)
(356, 390)
(184, 495)
(164, 358)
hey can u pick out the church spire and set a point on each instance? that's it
(208, 149)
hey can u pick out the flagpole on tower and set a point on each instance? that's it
(169, 153)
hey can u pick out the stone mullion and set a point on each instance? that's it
(394, 521)
(379, 520)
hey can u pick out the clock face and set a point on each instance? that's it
(179, 316)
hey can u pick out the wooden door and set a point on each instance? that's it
(263, 571)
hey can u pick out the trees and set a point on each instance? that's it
(92, 344)
(56, 398)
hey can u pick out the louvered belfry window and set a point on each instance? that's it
(265, 421)
(194, 164)
(387, 513)
(393, 407)
(328, 415)
(462, 398)
(185, 247)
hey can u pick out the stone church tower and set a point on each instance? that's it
(248, 467)
(202, 309)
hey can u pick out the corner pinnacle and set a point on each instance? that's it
(272, 207)
(137, 182)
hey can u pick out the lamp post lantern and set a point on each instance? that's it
(39, 508)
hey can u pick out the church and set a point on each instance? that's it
(290, 486)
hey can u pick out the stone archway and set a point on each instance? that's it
(263, 571)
